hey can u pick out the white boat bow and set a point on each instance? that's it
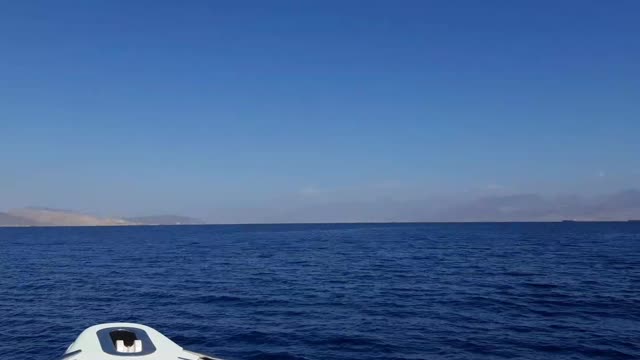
(122, 341)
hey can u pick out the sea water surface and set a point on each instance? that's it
(357, 291)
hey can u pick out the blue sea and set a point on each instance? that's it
(333, 291)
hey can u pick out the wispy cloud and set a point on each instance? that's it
(311, 191)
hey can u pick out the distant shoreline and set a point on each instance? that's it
(328, 223)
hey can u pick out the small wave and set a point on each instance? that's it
(540, 285)
(261, 355)
(258, 337)
(520, 273)
(347, 341)
(605, 353)
(210, 299)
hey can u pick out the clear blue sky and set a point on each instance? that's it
(135, 107)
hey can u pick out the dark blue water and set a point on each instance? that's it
(403, 291)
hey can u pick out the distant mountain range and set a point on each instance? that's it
(509, 207)
(11, 220)
(37, 216)
(618, 206)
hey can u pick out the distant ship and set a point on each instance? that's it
(127, 341)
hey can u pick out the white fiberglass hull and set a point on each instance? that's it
(122, 341)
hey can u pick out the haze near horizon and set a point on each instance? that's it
(290, 111)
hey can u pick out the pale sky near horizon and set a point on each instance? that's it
(200, 107)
